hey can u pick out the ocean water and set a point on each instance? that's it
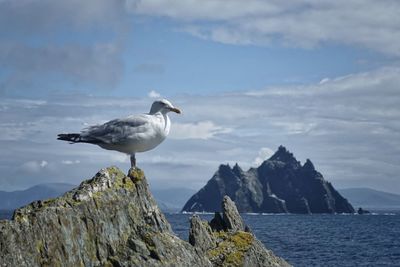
(318, 240)
(322, 240)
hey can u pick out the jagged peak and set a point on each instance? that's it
(277, 181)
(237, 170)
(231, 216)
(284, 155)
(282, 152)
(224, 168)
(308, 165)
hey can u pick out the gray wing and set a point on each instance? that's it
(117, 131)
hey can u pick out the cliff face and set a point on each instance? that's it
(109, 220)
(280, 185)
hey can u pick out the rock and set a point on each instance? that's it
(200, 234)
(362, 211)
(109, 220)
(279, 185)
(217, 223)
(231, 216)
(231, 245)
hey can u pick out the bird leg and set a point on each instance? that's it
(133, 161)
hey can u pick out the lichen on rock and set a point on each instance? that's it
(109, 220)
(227, 241)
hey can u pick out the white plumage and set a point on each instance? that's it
(135, 133)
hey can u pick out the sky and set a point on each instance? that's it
(321, 78)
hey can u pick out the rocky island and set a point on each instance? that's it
(279, 185)
(113, 220)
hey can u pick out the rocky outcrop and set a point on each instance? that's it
(362, 211)
(109, 220)
(279, 185)
(226, 241)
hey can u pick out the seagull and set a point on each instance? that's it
(135, 133)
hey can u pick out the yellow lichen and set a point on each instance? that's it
(124, 182)
(232, 248)
(39, 246)
(242, 239)
(19, 217)
(120, 181)
(136, 174)
(48, 202)
(148, 240)
(221, 235)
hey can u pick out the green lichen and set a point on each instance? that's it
(43, 258)
(22, 214)
(117, 173)
(48, 202)
(70, 201)
(148, 240)
(39, 247)
(231, 249)
(119, 181)
(242, 240)
(220, 235)
(19, 217)
(136, 174)
(125, 183)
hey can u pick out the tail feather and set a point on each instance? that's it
(78, 138)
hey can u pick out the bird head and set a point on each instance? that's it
(163, 106)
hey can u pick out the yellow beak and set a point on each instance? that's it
(176, 110)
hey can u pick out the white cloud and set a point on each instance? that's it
(70, 162)
(34, 166)
(27, 63)
(43, 163)
(264, 154)
(154, 94)
(305, 23)
(324, 80)
(118, 157)
(199, 130)
(334, 124)
(295, 127)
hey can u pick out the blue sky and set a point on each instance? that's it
(319, 77)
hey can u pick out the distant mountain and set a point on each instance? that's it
(279, 185)
(16, 199)
(371, 199)
(172, 199)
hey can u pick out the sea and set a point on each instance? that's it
(317, 240)
(321, 240)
